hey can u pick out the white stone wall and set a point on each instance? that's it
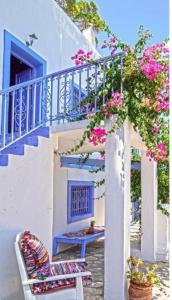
(26, 185)
(61, 177)
(26, 203)
(58, 37)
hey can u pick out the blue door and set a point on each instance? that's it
(20, 103)
(20, 64)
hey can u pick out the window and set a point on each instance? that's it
(80, 200)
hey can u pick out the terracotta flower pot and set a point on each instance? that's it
(139, 292)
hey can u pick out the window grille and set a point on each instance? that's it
(80, 200)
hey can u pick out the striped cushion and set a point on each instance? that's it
(61, 269)
(52, 286)
(38, 266)
(71, 267)
(35, 256)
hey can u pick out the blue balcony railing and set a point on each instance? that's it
(56, 97)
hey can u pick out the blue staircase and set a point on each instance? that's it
(18, 147)
(28, 110)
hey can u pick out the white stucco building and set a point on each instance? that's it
(33, 185)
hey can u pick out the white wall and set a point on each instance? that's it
(58, 37)
(162, 237)
(61, 177)
(26, 202)
(26, 197)
(26, 185)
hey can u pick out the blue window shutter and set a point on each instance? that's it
(80, 200)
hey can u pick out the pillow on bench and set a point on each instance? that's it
(38, 266)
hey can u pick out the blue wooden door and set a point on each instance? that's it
(21, 107)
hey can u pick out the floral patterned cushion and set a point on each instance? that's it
(38, 266)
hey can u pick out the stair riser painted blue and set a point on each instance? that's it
(4, 160)
(42, 131)
(15, 150)
(31, 141)
(18, 147)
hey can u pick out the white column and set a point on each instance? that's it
(117, 211)
(162, 236)
(148, 208)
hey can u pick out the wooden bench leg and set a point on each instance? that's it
(83, 250)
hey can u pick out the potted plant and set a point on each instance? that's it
(91, 228)
(142, 278)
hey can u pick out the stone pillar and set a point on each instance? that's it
(117, 211)
(148, 208)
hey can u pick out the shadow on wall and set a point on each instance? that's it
(10, 283)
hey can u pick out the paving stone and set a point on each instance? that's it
(95, 261)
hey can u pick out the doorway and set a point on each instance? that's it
(19, 72)
(21, 64)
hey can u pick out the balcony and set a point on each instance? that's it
(52, 100)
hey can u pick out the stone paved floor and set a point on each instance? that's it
(95, 260)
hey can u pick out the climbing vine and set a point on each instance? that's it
(144, 97)
(83, 13)
(137, 88)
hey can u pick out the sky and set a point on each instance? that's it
(125, 16)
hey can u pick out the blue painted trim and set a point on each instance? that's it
(70, 218)
(18, 48)
(136, 166)
(75, 162)
(72, 93)
(3, 160)
(17, 149)
(89, 164)
(80, 167)
(14, 46)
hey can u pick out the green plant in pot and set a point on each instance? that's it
(142, 279)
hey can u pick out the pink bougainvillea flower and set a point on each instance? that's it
(161, 103)
(78, 62)
(151, 69)
(80, 52)
(97, 136)
(112, 41)
(149, 62)
(165, 50)
(155, 130)
(127, 49)
(165, 105)
(158, 152)
(82, 57)
(104, 46)
(113, 104)
(73, 57)
(117, 99)
(113, 51)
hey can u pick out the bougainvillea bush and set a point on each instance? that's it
(144, 96)
(137, 87)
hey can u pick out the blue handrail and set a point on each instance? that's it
(57, 96)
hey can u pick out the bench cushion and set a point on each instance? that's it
(38, 266)
(71, 267)
(35, 256)
(62, 269)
